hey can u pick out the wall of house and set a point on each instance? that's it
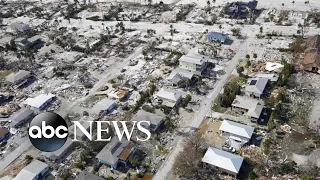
(227, 134)
(113, 166)
(248, 93)
(187, 66)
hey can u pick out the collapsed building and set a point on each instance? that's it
(311, 61)
(241, 10)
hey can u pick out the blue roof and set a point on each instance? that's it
(217, 35)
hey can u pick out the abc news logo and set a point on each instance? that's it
(49, 131)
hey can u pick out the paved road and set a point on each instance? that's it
(165, 170)
(15, 154)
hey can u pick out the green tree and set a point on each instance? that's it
(134, 162)
(252, 175)
(261, 29)
(255, 56)
(248, 56)
(240, 69)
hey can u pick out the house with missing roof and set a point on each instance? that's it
(22, 116)
(36, 170)
(169, 97)
(116, 153)
(241, 10)
(105, 106)
(274, 67)
(237, 134)
(39, 102)
(60, 154)
(84, 175)
(18, 78)
(155, 120)
(251, 107)
(256, 86)
(223, 161)
(217, 37)
(193, 63)
(119, 94)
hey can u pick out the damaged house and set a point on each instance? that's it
(241, 10)
(311, 61)
(19, 78)
(116, 152)
(169, 97)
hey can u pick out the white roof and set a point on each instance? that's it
(194, 59)
(38, 101)
(223, 159)
(102, 105)
(169, 94)
(253, 106)
(237, 129)
(31, 170)
(256, 85)
(271, 77)
(270, 66)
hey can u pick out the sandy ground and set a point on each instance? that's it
(210, 131)
(315, 116)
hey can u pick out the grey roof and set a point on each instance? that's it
(147, 116)
(84, 175)
(217, 35)
(169, 94)
(19, 26)
(178, 75)
(110, 153)
(104, 104)
(20, 115)
(18, 76)
(237, 129)
(253, 106)
(256, 85)
(223, 159)
(31, 170)
(194, 59)
(58, 153)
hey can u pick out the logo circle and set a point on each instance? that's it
(48, 131)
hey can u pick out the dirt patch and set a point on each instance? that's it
(297, 142)
(210, 131)
(14, 168)
(3, 74)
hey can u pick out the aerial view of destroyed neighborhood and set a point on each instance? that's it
(228, 89)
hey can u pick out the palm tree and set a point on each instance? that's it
(282, 6)
(220, 27)
(293, 5)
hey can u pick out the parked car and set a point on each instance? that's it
(228, 149)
